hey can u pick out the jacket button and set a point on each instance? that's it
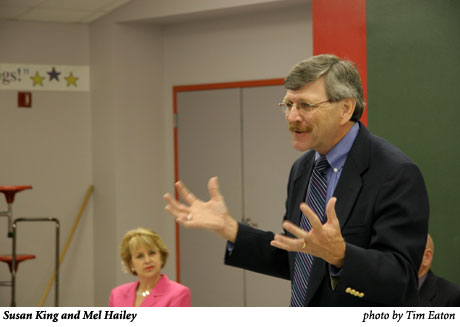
(348, 290)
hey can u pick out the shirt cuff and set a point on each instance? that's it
(230, 247)
(335, 271)
(334, 274)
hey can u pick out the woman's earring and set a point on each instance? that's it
(132, 269)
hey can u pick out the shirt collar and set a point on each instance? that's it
(421, 280)
(338, 154)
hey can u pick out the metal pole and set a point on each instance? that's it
(56, 286)
(10, 217)
(13, 270)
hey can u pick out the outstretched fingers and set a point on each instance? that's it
(185, 193)
(175, 208)
(213, 189)
(288, 243)
(294, 229)
(330, 212)
(312, 217)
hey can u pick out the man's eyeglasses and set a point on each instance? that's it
(302, 107)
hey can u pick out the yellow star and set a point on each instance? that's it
(37, 79)
(71, 80)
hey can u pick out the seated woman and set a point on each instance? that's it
(144, 255)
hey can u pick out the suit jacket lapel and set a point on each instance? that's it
(157, 291)
(301, 178)
(350, 182)
(130, 294)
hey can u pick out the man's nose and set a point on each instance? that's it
(293, 114)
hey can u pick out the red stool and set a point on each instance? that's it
(10, 191)
(8, 259)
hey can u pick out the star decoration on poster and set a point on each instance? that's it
(53, 77)
(71, 80)
(54, 74)
(37, 79)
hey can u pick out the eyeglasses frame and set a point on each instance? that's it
(304, 106)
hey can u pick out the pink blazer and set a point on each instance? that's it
(166, 293)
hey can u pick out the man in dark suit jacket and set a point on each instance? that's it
(435, 291)
(368, 250)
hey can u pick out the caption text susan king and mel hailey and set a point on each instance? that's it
(77, 315)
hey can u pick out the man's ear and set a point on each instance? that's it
(348, 106)
(428, 257)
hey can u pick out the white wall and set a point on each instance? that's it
(121, 139)
(48, 147)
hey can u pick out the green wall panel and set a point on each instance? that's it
(413, 66)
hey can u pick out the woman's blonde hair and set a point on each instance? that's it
(141, 236)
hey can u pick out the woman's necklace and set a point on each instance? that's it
(147, 291)
(143, 293)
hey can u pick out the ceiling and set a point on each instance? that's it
(58, 11)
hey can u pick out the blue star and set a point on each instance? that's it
(54, 74)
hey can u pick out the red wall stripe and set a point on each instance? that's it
(228, 85)
(339, 27)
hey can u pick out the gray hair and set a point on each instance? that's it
(341, 78)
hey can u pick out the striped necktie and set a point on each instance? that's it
(316, 200)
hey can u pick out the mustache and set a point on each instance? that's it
(297, 127)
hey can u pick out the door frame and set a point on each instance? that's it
(204, 87)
